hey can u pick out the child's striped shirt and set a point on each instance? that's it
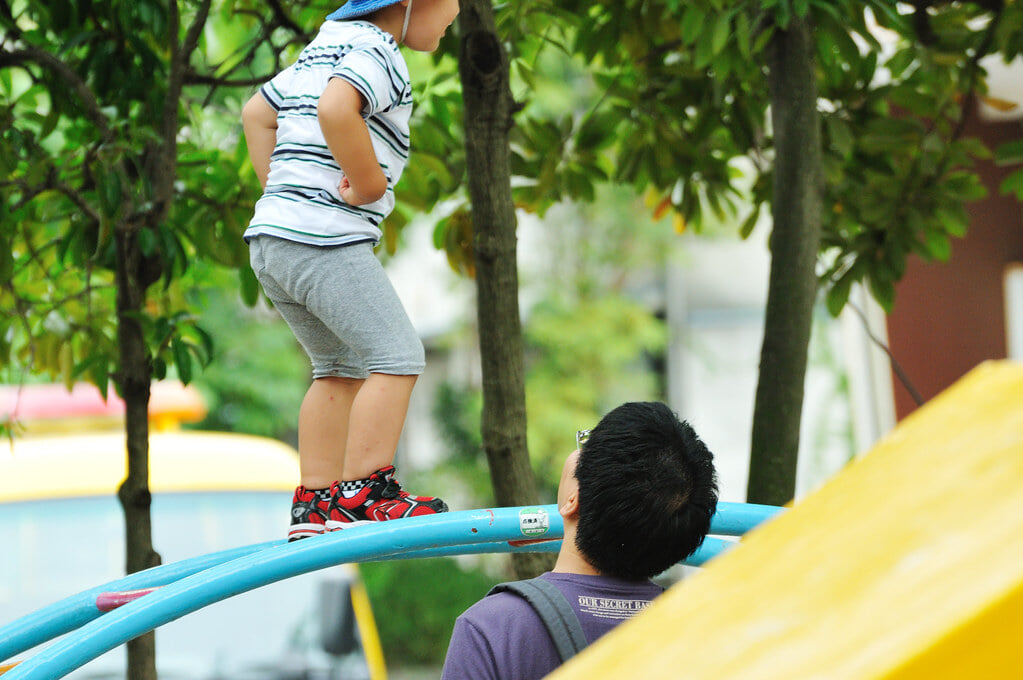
(301, 201)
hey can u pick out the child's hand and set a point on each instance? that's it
(349, 195)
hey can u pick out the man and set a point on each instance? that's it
(636, 498)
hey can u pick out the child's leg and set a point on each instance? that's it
(323, 429)
(374, 427)
(343, 309)
(368, 490)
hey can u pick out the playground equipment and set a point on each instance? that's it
(908, 565)
(184, 587)
(72, 448)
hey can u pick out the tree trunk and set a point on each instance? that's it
(489, 108)
(133, 378)
(792, 291)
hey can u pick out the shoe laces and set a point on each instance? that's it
(389, 486)
(392, 489)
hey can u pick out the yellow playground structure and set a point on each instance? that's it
(908, 565)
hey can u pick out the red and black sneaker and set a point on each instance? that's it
(381, 499)
(309, 514)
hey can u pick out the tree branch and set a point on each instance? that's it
(973, 70)
(45, 60)
(194, 32)
(8, 17)
(213, 81)
(163, 174)
(900, 372)
(282, 19)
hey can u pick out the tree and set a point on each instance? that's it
(796, 208)
(488, 118)
(97, 100)
(111, 194)
(684, 89)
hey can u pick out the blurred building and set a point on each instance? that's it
(951, 316)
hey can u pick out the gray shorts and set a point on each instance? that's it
(341, 307)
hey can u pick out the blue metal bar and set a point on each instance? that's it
(712, 547)
(245, 573)
(470, 549)
(735, 519)
(194, 587)
(74, 611)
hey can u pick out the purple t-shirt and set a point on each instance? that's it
(502, 638)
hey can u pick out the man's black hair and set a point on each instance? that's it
(647, 491)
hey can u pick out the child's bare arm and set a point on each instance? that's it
(340, 115)
(259, 120)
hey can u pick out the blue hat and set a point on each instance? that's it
(358, 8)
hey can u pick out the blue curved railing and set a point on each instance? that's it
(192, 584)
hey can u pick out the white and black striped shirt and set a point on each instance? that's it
(301, 201)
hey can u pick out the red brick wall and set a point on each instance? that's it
(950, 316)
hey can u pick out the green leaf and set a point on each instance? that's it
(693, 24)
(784, 14)
(763, 38)
(159, 368)
(749, 223)
(891, 135)
(109, 192)
(743, 35)
(182, 360)
(965, 186)
(953, 220)
(207, 344)
(578, 185)
(913, 101)
(1010, 153)
(49, 124)
(596, 130)
(249, 286)
(900, 61)
(721, 33)
(1013, 184)
(704, 53)
(937, 246)
(972, 147)
(94, 368)
(829, 8)
(148, 242)
(838, 294)
(847, 47)
(883, 291)
(840, 136)
(6, 264)
(886, 9)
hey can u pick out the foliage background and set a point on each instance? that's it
(630, 94)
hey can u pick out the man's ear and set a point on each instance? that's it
(570, 508)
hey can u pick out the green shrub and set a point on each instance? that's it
(415, 603)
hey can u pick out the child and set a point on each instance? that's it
(329, 138)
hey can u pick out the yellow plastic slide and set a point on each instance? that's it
(908, 565)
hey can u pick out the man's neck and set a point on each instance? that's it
(570, 561)
(583, 568)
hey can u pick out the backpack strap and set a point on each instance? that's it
(557, 614)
